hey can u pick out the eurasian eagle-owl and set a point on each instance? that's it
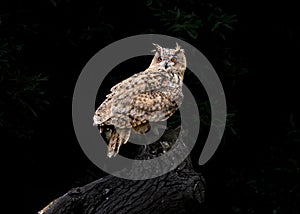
(152, 95)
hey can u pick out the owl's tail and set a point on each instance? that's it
(118, 137)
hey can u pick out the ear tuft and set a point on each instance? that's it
(158, 47)
(178, 48)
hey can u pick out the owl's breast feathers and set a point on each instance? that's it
(147, 96)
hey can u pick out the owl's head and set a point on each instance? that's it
(170, 60)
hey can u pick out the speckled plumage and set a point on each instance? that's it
(149, 96)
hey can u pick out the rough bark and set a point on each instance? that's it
(179, 191)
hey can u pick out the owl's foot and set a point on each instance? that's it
(143, 128)
(159, 128)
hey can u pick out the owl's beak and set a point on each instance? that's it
(166, 64)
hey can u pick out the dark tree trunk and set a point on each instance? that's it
(179, 191)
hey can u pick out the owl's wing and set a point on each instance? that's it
(150, 83)
(151, 106)
(142, 82)
(117, 102)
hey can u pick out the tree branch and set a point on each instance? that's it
(179, 191)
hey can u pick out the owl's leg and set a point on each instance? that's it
(106, 131)
(158, 128)
(118, 137)
(142, 128)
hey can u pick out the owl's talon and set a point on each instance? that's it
(110, 154)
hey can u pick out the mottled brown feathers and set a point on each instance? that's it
(149, 96)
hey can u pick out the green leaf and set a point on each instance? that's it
(149, 2)
(178, 13)
(193, 34)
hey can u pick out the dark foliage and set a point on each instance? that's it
(253, 47)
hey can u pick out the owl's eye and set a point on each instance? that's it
(159, 59)
(174, 60)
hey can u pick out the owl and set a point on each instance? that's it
(152, 95)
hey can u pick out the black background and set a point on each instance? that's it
(256, 168)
